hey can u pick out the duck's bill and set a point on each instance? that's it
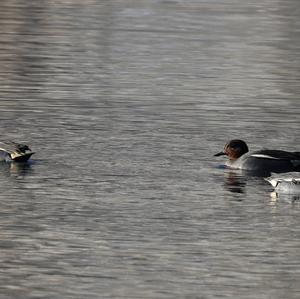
(220, 154)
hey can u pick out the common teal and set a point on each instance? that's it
(264, 161)
(12, 151)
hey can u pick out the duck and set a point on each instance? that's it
(264, 161)
(13, 151)
(285, 184)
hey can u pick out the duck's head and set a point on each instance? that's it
(234, 149)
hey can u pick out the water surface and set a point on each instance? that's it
(125, 103)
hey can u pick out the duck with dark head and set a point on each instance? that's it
(264, 161)
(12, 151)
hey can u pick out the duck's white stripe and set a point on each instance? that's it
(264, 156)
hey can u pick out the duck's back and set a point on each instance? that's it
(272, 161)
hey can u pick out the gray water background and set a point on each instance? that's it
(125, 103)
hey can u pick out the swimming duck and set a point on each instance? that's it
(264, 161)
(12, 151)
(285, 184)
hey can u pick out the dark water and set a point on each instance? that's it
(125, 102)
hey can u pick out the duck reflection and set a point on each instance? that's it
(15, 169)
(278, 196)
(234, 182)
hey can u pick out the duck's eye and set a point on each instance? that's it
(234, 147)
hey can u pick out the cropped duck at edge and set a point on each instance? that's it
(264, 161)
(288, 183)
(12, 151)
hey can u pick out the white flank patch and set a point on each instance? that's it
(273, 182)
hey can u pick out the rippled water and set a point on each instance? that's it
(125, 103)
